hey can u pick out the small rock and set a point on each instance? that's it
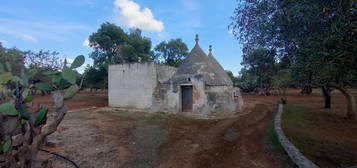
(231, 135)
(195, 146)
(53, 143)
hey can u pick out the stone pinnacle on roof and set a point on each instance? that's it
(197, 39)
(210, 49)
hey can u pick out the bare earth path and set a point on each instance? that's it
(110, 139)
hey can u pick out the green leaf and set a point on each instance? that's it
(50, 73)
(71, 91)
(78, 61)
(69, 75)
(43, 87)
(6, 146)
(26, 92)
(28, 99)
(5, 77)
(2, 70)
(8, 109)
(56, 79)
(17, 79)
(41, 116)
(8, 67)
(31, 73)
(24, 112)
(23, 121)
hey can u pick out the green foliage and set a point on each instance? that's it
(26, 92)
(78, 61)
(69, 75)
(31, 73)
(41, 116)
(15, 59)
(6, 146)
(315, 39)
(8, 66)
(50, 73)
(233, 78)
(247, 80)
(15, 91)
(5, 77)
(112, 45)
(95, 77)
(8, 109)
(171, 53)
(260, 62)
(28, 99)
(24, 112)
(2, 70)
(43, 87)
(282, 80)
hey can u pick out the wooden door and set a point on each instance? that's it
(186, 98)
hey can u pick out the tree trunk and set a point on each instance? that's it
(327, 96)
(306, 90)
(351, 104)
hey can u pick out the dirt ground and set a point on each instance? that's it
(107, 138)
(81, 100)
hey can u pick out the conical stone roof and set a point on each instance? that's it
(199, 65)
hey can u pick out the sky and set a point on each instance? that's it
(65, 25)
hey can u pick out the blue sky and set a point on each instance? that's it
(64, 25)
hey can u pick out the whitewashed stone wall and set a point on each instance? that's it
(131, 85)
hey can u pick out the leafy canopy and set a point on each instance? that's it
(171, 53)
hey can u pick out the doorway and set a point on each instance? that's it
(186, 98)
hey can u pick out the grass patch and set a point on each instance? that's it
(295, 114)
(323, 153)
(273, 145)
(297, 123)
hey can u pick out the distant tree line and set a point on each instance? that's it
(298, 43)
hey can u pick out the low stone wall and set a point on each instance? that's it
(299, 159)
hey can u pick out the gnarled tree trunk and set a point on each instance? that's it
(327, 96)
(351, 103)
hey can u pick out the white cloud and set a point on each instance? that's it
(132, 16)
(3, 42)
(27, 37)
(86, 43)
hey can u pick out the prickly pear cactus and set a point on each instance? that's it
(23, 132)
